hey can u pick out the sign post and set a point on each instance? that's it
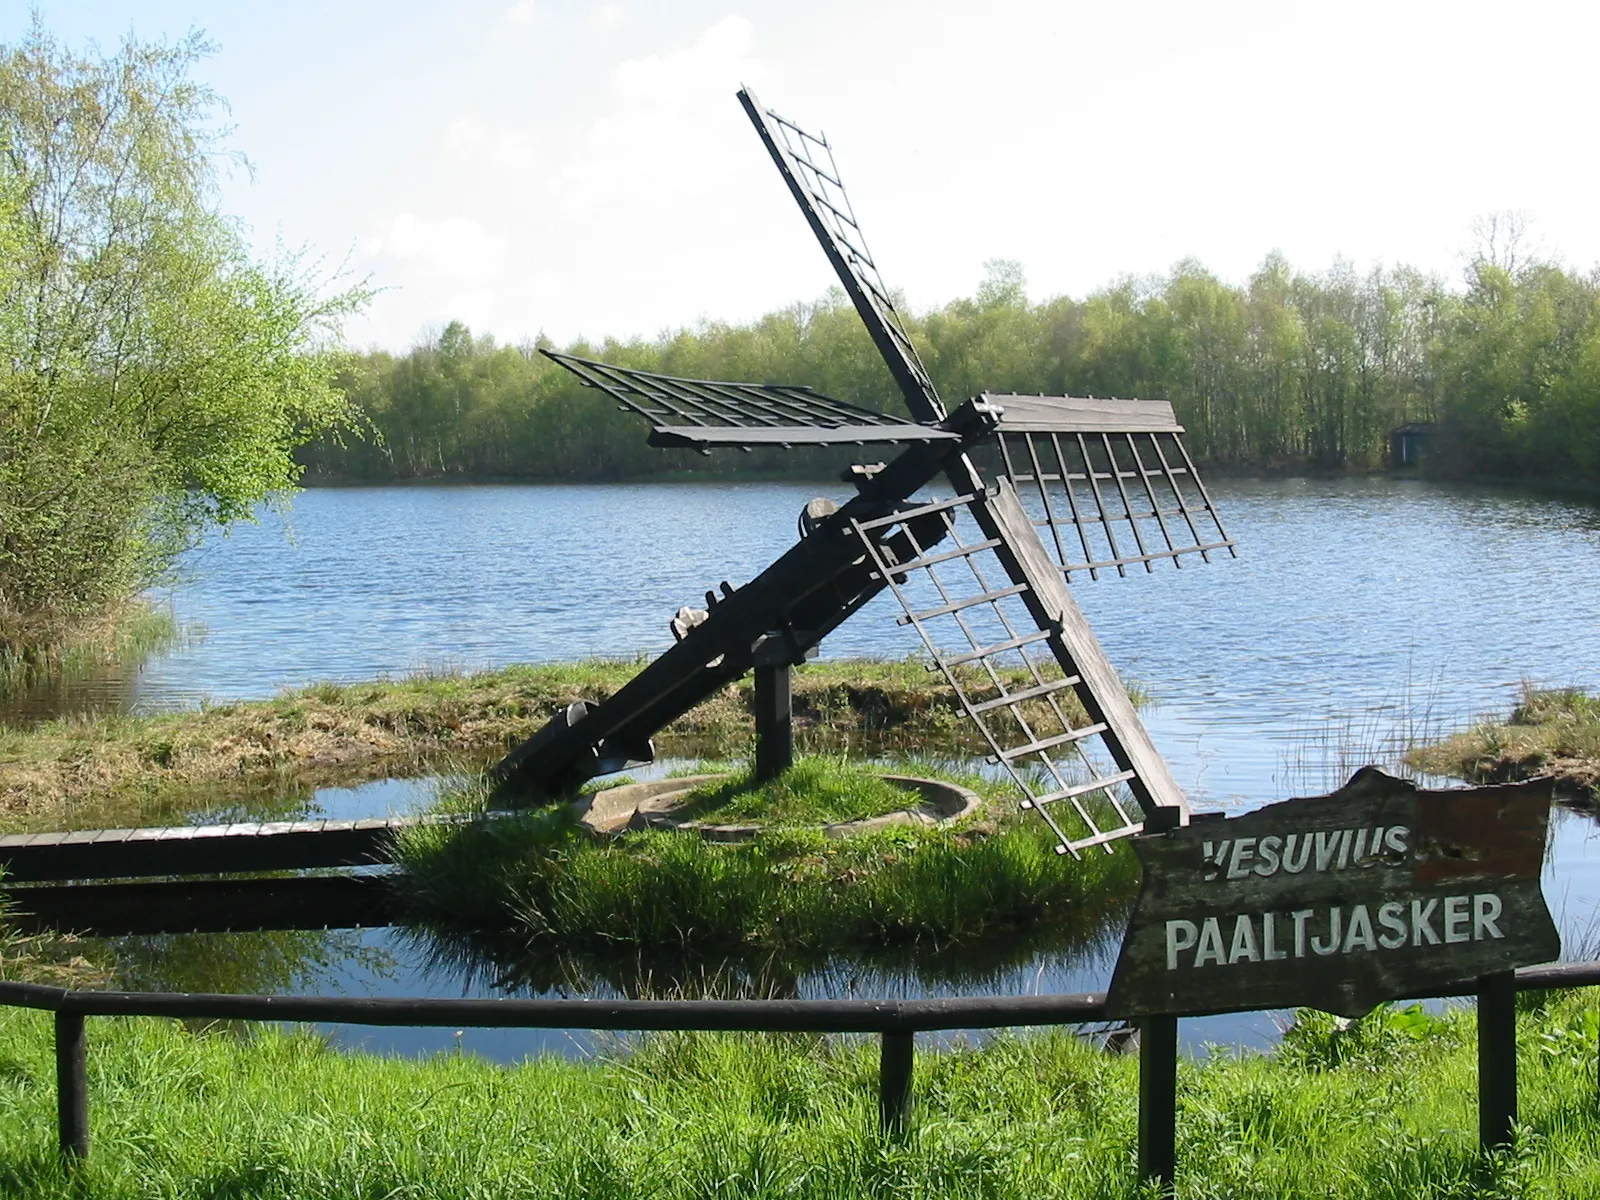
(1378, 891)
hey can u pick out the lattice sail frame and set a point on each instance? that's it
(805, 160)
(1087, 768)
(710, 413)
(1109, 481)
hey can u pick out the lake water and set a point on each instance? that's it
(1361, 613)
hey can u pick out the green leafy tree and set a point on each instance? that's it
(156, 379)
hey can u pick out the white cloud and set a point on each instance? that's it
(451, 248)
(608, 16)
(670, 124)
(522, 12)
(507, 149)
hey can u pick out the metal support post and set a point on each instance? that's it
(1497, 1059)
(894, 1081)
(1158, 1101)
(72, 1086)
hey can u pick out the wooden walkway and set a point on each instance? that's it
(63, 877)
(207, 905)
(202, 849)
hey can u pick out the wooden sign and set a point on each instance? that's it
(1340, 902)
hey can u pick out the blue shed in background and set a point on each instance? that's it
(1409, 443)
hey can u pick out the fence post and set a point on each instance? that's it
(72, 1086)
(894, 1080)
(1497, 1058)
(1158, 1101)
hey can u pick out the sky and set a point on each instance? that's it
(582, 168)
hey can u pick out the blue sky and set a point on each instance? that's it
(583, 168)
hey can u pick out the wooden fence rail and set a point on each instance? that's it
(895, 1021)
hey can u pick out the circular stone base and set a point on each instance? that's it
(652, 806)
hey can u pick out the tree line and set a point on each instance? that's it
(1290, 370)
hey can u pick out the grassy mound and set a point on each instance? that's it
(815, 791)
(1385, 1111)
(547, 880)
(1550, 732)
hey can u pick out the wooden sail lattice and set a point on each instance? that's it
(709, 413)
(1109, 483)
(805, 160)
(1014, 678)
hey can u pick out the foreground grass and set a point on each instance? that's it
(85, 772)
(1549, 732)
(1386, 1112)
(545, 879)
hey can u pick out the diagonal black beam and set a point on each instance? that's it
(806, 593)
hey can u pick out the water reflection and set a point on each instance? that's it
(261, 962)
(1084, 940)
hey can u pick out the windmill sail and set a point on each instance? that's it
(805, 161)
(999, 623)
(708, 413)
(1110, 481)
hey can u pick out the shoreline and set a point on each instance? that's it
(1578, 490)
(116, 771)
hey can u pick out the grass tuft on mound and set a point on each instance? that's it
(815, 791)
(1551, 731)
(544, 878)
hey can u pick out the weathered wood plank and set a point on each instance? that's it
(178, 851)
(1079, 414)
(207, 905)
(1100, 688)
(1338, 902)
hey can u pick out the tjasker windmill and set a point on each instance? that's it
(1045, 488)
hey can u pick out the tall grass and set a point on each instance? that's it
(179, 1116)
(1550, 731)
(124, 637)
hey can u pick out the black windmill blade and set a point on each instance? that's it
(707, 413)
(805, 161)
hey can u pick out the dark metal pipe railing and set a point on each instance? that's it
(895, 1021)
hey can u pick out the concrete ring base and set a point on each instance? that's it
(652, 806)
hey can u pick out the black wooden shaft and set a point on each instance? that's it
(774, 721)
(894, 1080)
(811, 589)
(1158, 1101)
(1497, 1058)
(72, 1086)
